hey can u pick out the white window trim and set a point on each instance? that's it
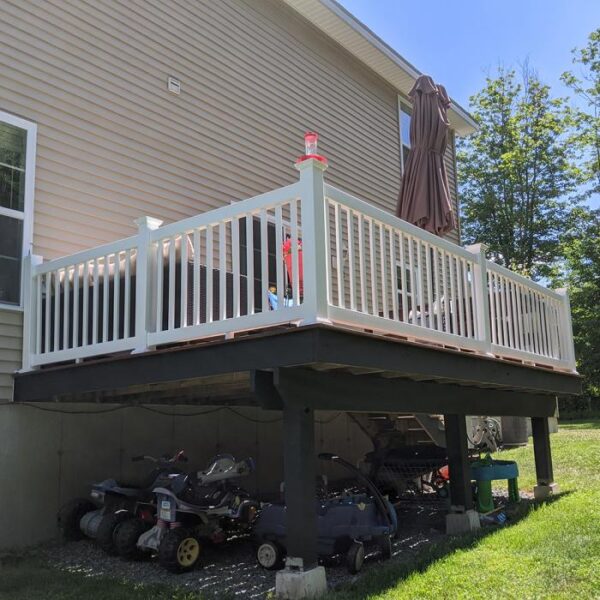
(402, 104)
(28, 197)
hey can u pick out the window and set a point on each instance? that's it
(17, 164)
(404, 113)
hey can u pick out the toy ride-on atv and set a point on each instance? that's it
(345, 523)
(113, 502)
(191, 511)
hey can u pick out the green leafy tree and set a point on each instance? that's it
(581, 274)
(586, 85)
(517, 172)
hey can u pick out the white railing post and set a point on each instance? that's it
(314, 240)
(145, 292)
(566, 330)
(30, 308)
(482, 300)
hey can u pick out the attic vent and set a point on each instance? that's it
(174, 85)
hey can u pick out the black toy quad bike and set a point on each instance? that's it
(209, 507)
(113, 502)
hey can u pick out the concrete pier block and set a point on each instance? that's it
(462, 522)
(543, 491)
(297, 584)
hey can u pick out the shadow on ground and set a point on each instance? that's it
(232, 571)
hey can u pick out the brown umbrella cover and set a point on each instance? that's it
(424, 198)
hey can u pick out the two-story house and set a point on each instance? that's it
(192, 113)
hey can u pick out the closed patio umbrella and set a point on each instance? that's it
(424, 198)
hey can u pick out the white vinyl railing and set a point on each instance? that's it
(301, 254)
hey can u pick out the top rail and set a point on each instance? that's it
(86, 255)
(517, 277)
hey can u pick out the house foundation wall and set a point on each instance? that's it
(47, 458)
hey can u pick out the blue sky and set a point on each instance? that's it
(459, 42)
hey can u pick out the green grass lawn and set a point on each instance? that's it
(553, 551)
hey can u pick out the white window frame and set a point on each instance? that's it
(28, 197)
(403, 108)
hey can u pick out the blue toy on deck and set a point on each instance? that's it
(344, 524)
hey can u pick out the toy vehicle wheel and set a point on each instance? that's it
(270, 556)
(69, 516)
(355, 557)
(385, 545)
(126, 537)
(179, 550)
(109, 524)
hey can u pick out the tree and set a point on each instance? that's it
(517, 172)
(587, 87)
(581, 274)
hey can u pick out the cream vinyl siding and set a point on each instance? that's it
(114, 144)
(11, 340)
(450, 161)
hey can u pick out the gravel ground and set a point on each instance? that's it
(232, 571)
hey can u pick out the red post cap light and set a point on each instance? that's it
(311, 140)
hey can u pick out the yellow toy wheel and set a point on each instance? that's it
(179, 550)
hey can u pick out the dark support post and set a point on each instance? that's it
(458, 462)
(300, 483)
(462, 517)
(543, 458)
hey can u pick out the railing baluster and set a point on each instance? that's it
(351, 258)
(65, 336)
(468, 297)
(196, 278)
(127, 295)
(436, 290)
(514, 314)
(338, 255)
(419, 278)
(384, 271)
(85, 313)
(116, 295)
(95, 301)
(413, 283)
(405, 309)
(429, 282)
(105, 291)
(361, 260)
(160, 286)
(56, 346)
(296, 274)
(235, 263)
(75, 332)
(250, 261)
(445, 273)
(209, 274)
(48, 286)
(453, 307)
(172, 262)
(519, 296)
(183, 301)
(38, 314)
(509, 318)
(264, 260)
(461, 299)
(279, 266)
(222, 271)
(394, 274)
(373, 270)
